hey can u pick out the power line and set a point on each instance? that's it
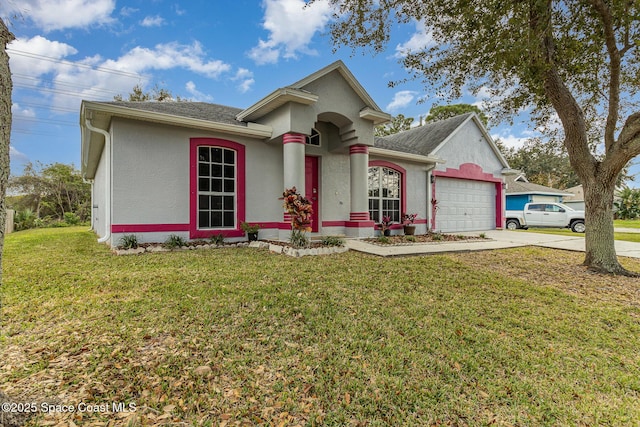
(70, 85)
(37, 120)
(75, 64)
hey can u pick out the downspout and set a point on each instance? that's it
(90, 181)
(107, 182)
(429, 197)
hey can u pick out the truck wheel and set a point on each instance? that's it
(578, 227)
(512, 224)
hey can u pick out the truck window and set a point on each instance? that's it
(536, 207)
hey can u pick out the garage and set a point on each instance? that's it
(465, 205)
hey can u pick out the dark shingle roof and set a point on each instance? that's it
(515, 186)
(195, 110)
(422, 139)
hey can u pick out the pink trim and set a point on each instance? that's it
(468, 171)
(473, 172)
(403, 180)
(148, 228)
(294, 138)
(359, 149)
(194, 232)
(359, 224)
(359, 216)
(333, 223)
(286, 217)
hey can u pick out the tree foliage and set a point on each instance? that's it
(574, 60)
(51, 191)
(442, 112)
(543, 163)
(156, 94)
(628, 203)
(398, 124)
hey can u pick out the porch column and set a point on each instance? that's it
(359, 224)
(293, 150)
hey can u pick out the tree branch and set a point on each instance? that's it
(614, 69)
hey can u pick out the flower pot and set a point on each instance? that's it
(252, 236)
(409, 230)
(387, 232)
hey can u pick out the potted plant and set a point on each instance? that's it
(251, 230)
(385, 225)
(407, 221)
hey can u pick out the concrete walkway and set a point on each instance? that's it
(497, 239)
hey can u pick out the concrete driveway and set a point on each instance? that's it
(497, 239)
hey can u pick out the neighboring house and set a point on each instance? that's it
(576, 199)
(197, 169)
(520, 192)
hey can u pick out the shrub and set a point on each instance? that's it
(129, 241)
(410, 238)
(25, 219)
(217, 239)
(383, 239)
(332, 241)
(299, 239)
(249, 228)
(174, 241)
(71, 218)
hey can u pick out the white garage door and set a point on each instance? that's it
(465, 205)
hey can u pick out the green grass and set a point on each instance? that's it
(329, 340)
(628, 223)
(627, 237)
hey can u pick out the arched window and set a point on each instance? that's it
(385, 193)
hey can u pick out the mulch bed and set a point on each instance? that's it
(421, 238)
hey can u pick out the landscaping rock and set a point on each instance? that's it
(275, 248)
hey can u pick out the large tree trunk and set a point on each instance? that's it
(5, 128)
(600, 244)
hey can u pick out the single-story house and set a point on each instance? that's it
(197, 169)
(576, 199)
(520, 192)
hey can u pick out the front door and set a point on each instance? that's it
(311, 188)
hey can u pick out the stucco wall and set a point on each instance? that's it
(417, 195)
(151, 175)
(98, 209)
(468, 145)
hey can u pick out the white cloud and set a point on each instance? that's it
(198, 96)
(246, 79)
(52, 15)
(128, 11)
(32, 64)
(17, 156)
(401, 99)
(19, 111)
(420, 40)
(152, 21)
(291, 25)
(510, 140)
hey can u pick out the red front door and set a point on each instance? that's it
(311, 188)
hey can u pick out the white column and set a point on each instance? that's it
(293, 150)
(359, 162)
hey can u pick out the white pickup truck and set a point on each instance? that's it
(546, 215)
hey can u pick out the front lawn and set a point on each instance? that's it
(627, 237)
(627, 223)
(244, 337)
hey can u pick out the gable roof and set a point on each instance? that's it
(422, 140)
(194, 110)
(296, 93)
(518, 184)
(427, 139)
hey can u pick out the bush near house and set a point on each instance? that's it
(245, 337)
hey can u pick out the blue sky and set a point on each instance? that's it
(230, 52)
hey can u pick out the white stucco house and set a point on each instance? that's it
(197, 169)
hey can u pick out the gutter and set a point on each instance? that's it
(107, 182)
